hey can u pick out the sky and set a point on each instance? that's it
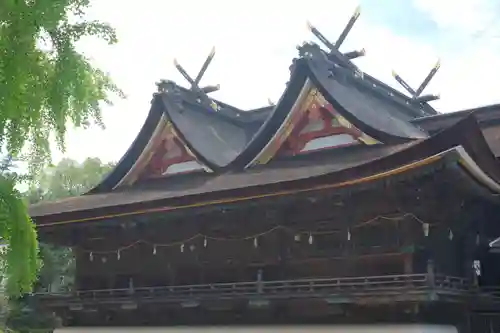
(256, 41)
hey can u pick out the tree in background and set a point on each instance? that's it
(67, 178)
(45, 85)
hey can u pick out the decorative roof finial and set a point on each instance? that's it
(204, 91)
(334, 54)
(348, 27)
(415, 94)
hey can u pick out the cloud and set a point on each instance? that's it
(255, 43)
(462, 16)
(403, 17)
(470, 51)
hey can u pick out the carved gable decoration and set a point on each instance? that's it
(165, 155)
(312, 124)
(170, 156)
(322, 127)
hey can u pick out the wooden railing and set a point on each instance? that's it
(354, 286)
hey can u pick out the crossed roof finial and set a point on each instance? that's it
(416, 94)
(202, 92)
(334, 54)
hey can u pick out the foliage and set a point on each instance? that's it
(45, 85)
(21, 317)
(67, 178)
(17, 231)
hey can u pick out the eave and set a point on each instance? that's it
(486, 116)
(160, 203)
(458, 146)
(135, 150)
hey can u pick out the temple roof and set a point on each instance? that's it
(333, 127)
(485, 115)
(230, 139)
(461, 145)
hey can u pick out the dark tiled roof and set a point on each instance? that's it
(231, 138)
(234, 144)
(372, 112)
(485, 115)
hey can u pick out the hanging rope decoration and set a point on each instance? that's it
(255, 237)
(426, 226)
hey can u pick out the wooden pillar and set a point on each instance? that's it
(469, 254)
(260, 279)
(81, 263)
(171, 275)
(131, 287)
(201, 248)
(241, 272)
(408, 264)
(283, 246)
(423, 256)
(201, 270)
(110, 278)
(431, 273)
(408, 241)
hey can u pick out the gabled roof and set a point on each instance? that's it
(231, 139)
(408, 108)
(372, 110)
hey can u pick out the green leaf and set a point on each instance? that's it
(45, 86)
